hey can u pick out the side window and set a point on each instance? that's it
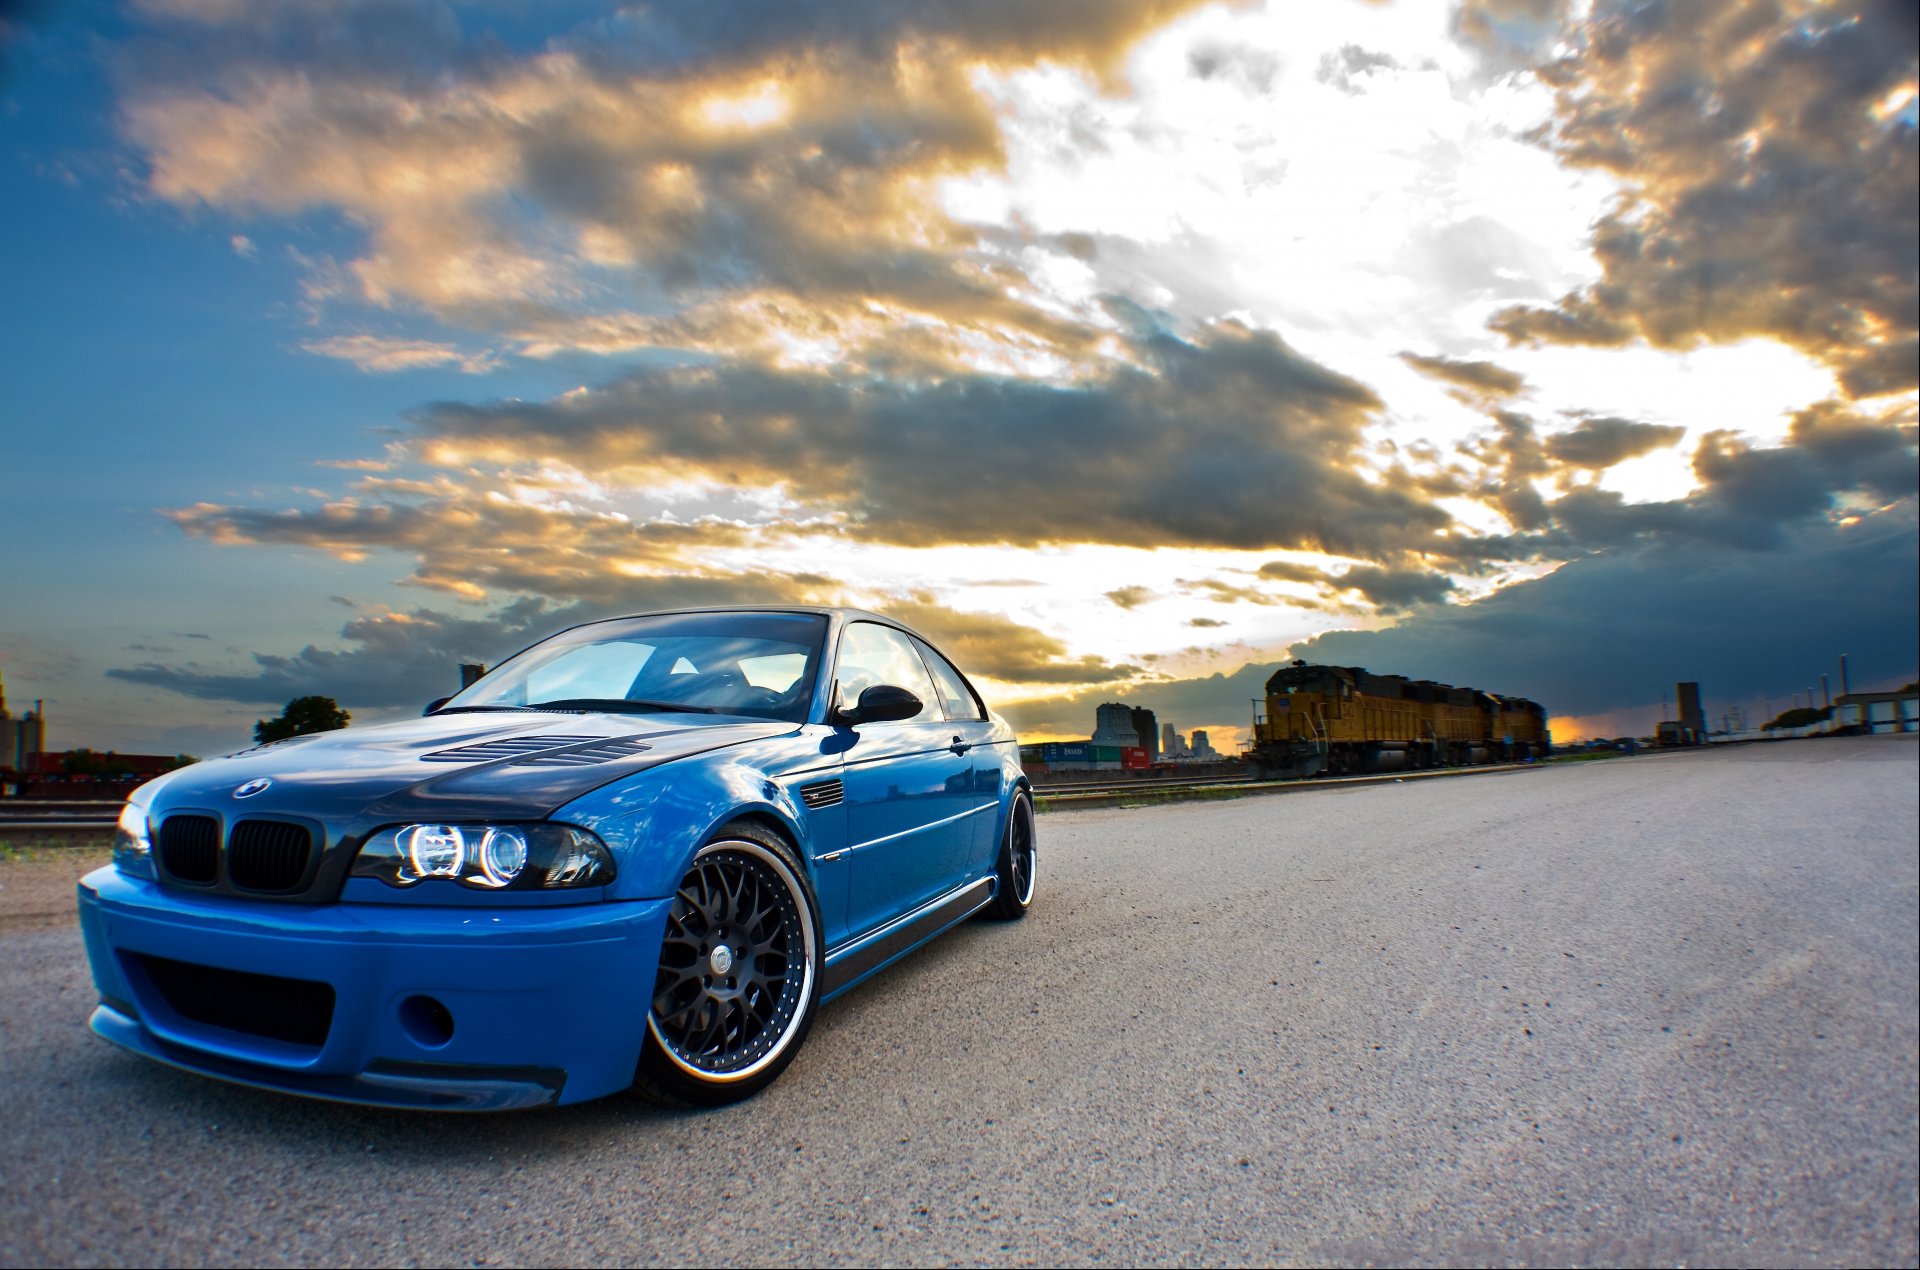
(957, 699)
(871, 654)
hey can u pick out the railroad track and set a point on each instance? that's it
(1050, 788)
(50, 813)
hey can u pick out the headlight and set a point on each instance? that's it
(132, 849)
(486, 857)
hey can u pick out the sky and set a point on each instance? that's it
(1128, 348)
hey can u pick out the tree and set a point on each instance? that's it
(303, 715)
(1800, 717)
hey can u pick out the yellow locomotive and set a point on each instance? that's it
(1342, 719)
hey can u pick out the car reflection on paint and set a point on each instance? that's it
(641, 852)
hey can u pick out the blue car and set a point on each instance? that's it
(639, 853)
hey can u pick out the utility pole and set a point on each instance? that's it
(1844, 690)
(1826, 693)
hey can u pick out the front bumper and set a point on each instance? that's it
(534, 1005)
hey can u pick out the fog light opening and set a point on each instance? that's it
(426, 1021)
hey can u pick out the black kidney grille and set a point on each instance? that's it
(268, 855)
(190, 848)
(297, 1011)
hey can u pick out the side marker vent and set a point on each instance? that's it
(822, 794)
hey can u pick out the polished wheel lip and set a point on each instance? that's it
(1022, 818)
(797, 893)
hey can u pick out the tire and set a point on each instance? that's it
(1014, 873)
(716, 1035)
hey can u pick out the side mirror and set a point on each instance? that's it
(435, 704)
(882, 703)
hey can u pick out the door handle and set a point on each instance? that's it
(960, 745)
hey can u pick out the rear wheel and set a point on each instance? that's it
(739, 975)
(1015, 874)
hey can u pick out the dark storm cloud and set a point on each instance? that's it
(1601, 443)
(1229, 439)
(1616, 630)
(1396, 590)
(1770, 193)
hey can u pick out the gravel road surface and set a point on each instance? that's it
(1651, 1010)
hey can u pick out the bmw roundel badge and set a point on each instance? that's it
(252, 787)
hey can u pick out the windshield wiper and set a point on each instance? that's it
(620, 705)
(470, 709)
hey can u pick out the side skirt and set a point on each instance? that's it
(849, 965)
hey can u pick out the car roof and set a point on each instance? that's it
(844, 613)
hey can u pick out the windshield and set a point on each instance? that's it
(762, 665)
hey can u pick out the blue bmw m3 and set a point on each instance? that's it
(639, 853)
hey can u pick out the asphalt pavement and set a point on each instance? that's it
(1651, 1010)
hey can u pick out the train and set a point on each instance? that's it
(1343, 720)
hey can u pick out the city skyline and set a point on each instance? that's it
(1566, 351)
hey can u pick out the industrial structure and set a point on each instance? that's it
(21, 738)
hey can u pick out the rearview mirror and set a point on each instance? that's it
(882, 703)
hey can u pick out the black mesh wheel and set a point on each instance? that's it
(1013, 894)
(739, 973)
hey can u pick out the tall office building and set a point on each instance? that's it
(1171, 742)
(1202, 747)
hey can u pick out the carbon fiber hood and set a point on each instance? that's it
(519, 764)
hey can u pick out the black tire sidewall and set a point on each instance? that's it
(1007, 904)
(659, 1077)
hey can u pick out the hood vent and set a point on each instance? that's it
(586, 755)
(506, 747)
(822, 794)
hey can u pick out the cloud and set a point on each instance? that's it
(382, 354)
(1768, 191)
(392, 659)
(1601, 443)
(1479, 379)
(1228, 438)
(675, 174)
(1130, 597)
(1206, 622)
(997, 647)
(1613, 631)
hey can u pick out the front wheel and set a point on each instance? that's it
(1013, 894)
(739, 974)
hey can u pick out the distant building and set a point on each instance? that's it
(1113, 725)
(1172, 744)
(1691, 717)
(23, 737)
(1877, 711)
(1202, 748)
(1143, 727)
